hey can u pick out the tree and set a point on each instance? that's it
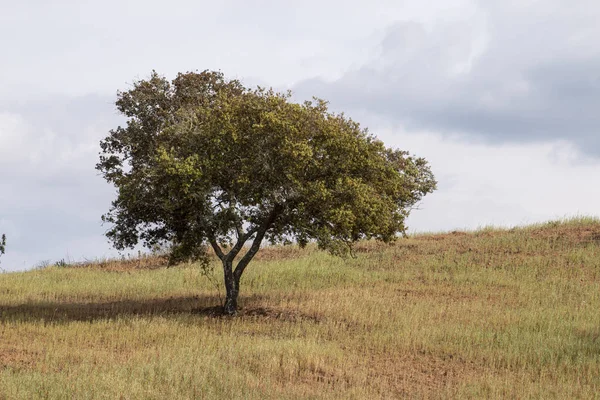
(2, 244)
(204, 162)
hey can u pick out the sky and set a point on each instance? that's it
(500, 96)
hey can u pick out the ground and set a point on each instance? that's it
(492, 313)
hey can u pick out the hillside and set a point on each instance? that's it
(490, 313)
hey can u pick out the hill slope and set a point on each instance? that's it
(492, 313)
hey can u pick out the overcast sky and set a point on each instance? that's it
(500, 96)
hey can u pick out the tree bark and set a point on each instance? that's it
(231, 277)
(232, 288)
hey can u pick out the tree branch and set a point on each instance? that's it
(216, 248)
(238, 230)
(260, 234)
(240, 243)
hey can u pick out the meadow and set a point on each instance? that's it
(493, 313)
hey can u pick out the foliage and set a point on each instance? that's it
(62, 263)
(205, 162)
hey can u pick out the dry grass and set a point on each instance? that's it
(142, 261)
(486, 314)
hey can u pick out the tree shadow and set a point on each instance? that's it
(62, 312)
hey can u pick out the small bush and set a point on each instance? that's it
(2, 244)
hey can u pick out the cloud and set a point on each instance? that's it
(504, 185)
(504, 72)
(73, 47)
(50, 194)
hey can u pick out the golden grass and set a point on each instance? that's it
(487, 314)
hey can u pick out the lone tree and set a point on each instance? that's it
(205, 162)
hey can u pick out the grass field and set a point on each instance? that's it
(486, 314)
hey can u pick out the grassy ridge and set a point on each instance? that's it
(491, 313)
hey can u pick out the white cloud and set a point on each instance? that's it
(501, 71)
(73, 47)
(504, 185)
(51, 198)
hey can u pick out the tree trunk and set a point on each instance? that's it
(232, 287)
(232, 278)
